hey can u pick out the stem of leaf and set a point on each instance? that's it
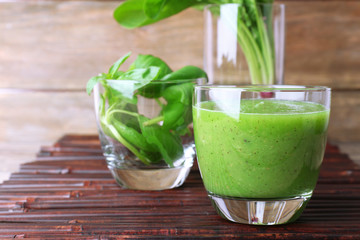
(250, 56)
(109, 113)
(266, 52)
(259, 61)
(128, 145)
(257, 67)
(153, 121)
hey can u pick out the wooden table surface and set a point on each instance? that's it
(68, 193)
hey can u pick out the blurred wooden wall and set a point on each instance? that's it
(62, 44)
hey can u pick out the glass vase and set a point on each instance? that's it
(145, 131)
(244, 43)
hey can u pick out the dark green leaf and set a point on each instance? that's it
(182, 126)
(130, 14)
(113, 133)
(154, 157)
(126, 106)
(117, 75)
(127, 87)
(141, 74)
(265, 1)
(179, 93)
(152, 90)
(169, 144)
(187, 72)
(132, 136)
(146, 61)
(173, 115)
(177, 113)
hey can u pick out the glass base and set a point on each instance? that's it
(260, 212)
(150, 179)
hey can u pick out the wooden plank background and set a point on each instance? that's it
(61, 44)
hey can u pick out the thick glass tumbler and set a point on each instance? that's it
(260, 148)
(144, 131)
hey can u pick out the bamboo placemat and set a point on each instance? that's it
(68, 193)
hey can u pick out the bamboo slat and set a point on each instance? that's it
(68, 193)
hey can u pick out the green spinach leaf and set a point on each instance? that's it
(179, 98)
(149, 76)
(131, 14)
(146, 61)
(169, 144)
(187, 72)
(93, 81)
(152, 8)
(141, 74)
(115, 67)
(132, 136)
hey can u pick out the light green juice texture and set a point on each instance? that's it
(267, 149)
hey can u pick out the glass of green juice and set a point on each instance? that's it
(260, 147)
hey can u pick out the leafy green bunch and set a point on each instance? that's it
(150, 140)
(254, 36)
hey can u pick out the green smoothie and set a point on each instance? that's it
(260, 148)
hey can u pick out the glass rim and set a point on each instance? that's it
(277, 4)
(264, 88)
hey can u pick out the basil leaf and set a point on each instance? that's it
(173, 114)
(125, 88)
(152, 8)
(130, 81)
(116, 90)
(115, 67)
(141, 74)
(182, 126)
(93, 81)
(130, 14)
(187, 72)
(169, 144)
(132, 136)
(154, 157)
(179, 93)
(177, 113)
(146, 61)
(117, 75)
(123, 109)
